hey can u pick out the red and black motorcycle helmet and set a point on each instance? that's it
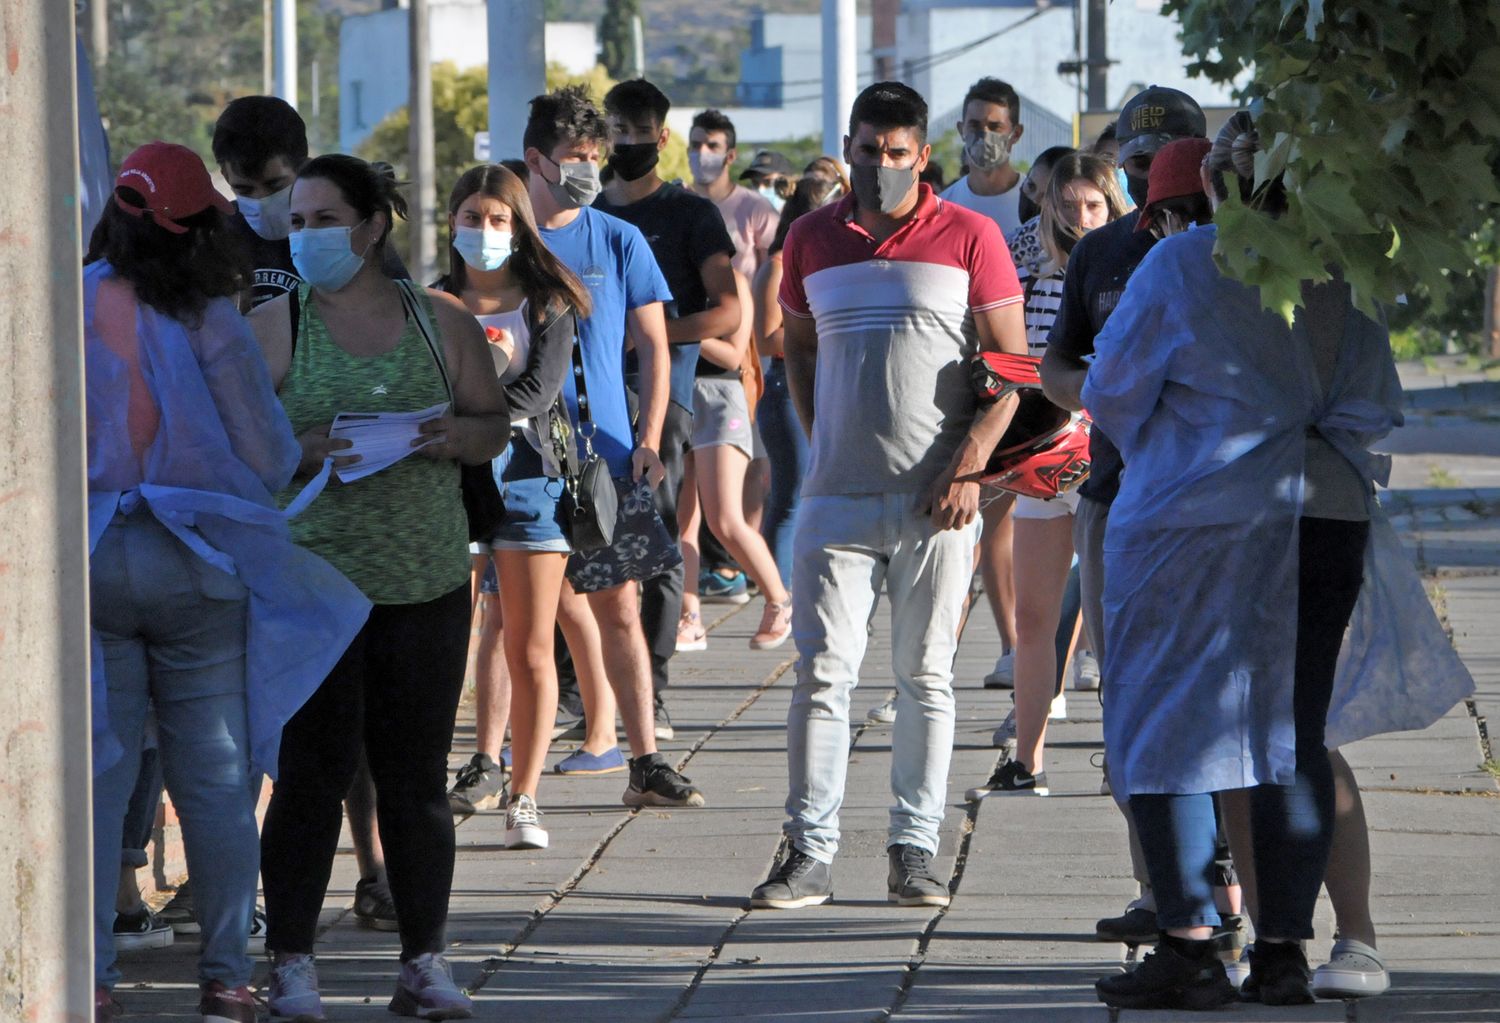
(1045, 450)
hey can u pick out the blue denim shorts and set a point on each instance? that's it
(532, 521)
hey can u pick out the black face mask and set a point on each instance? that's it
(634, 160)
(1026, 209)
(1138, 188)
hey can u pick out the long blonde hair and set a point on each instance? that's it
(1059, 236)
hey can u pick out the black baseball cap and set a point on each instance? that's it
(1155, 116)
(768, 161)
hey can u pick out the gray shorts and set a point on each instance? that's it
(721, 415)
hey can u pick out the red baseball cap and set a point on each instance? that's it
(173, 182)
(1174, 173)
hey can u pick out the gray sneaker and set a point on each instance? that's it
(797, 881)
(911, 881)
(1353, 970)
(1005, 735)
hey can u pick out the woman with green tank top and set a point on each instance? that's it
(353, 340)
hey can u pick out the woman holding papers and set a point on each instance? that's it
(199, 601)
(352, 342)
(528, 303)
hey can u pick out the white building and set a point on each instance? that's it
(374, 68)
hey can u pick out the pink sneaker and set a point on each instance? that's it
(691, 635)
(775, 626)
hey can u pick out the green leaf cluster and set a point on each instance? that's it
(617, 36)
(1384, 118)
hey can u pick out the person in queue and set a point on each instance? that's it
(350, 339)
(200, 604)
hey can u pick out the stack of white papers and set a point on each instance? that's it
(380, 439)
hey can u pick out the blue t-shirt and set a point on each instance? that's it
(613, 260)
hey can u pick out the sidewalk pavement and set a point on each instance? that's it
(643, 916)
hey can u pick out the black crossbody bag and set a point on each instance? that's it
(589, 503)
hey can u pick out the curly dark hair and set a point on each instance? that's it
(568, 114)
(175, 274)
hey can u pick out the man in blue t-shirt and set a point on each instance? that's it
(563, 138)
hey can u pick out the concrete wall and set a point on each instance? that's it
(788, 48)
(373, 65)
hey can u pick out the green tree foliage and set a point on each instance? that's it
(617, 37)
(1384, 117)
(174, 64)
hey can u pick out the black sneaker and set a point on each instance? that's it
(1010, 779)
(1136, 926)
(911, 881)
(664, 730)
(569, 726)
(373, 906)
(480, 785)
(797, 881)
(1171, 979)
(653, 782)
(1279, 975)
(141, 929)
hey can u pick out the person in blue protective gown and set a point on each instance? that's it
(1237, 551)
(200, 604)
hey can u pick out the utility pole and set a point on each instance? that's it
(1098, 59)
(267, 49)
(284, 26)
(421, 147)
(99, 32)
(46, 839)
(839, 72)
(517, 70)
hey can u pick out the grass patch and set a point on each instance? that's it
(1440, 478)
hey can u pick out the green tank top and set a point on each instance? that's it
(400, 534)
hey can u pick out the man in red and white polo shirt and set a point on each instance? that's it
(888, 296)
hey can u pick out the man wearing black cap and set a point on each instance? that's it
(770, 174)
(1098, 269)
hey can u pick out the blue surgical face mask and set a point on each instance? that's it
(775, 200)
(324, 256)
(271, 217)
(1124, 180)
(481, 249)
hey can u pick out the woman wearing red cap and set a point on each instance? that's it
(1237, 548)
(200, 603)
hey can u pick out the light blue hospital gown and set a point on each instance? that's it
(223, 448)
(1209, 399)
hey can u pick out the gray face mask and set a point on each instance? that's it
(578, 185)
(881, 188)
(987, 150)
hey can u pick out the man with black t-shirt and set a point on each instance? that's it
(260, 143)
(1098, 269)
(693, 248)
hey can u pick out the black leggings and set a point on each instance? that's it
(395, 691)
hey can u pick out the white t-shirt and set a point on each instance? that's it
(515, 322)
(1004, 209)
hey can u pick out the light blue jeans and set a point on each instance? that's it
(173, 630)
(846, 548)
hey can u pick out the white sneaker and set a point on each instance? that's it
(1085, 671)
(1005, 735)
(293, 989)
(523, 825)
(1059, 709)
(1004, 675)
(885, 714)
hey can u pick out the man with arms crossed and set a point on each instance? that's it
(888, 296)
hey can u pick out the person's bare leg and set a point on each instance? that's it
(627, 663)
(1040, 579)
(721, 480)
(491, 680)
(1348, 874)
(996, 565)
(757, 489)
(529, 585)
(689, 522)
(359, 804)
(582, 633)
(1234, 809)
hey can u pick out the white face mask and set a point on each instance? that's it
(271, 217)
(705, 166)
